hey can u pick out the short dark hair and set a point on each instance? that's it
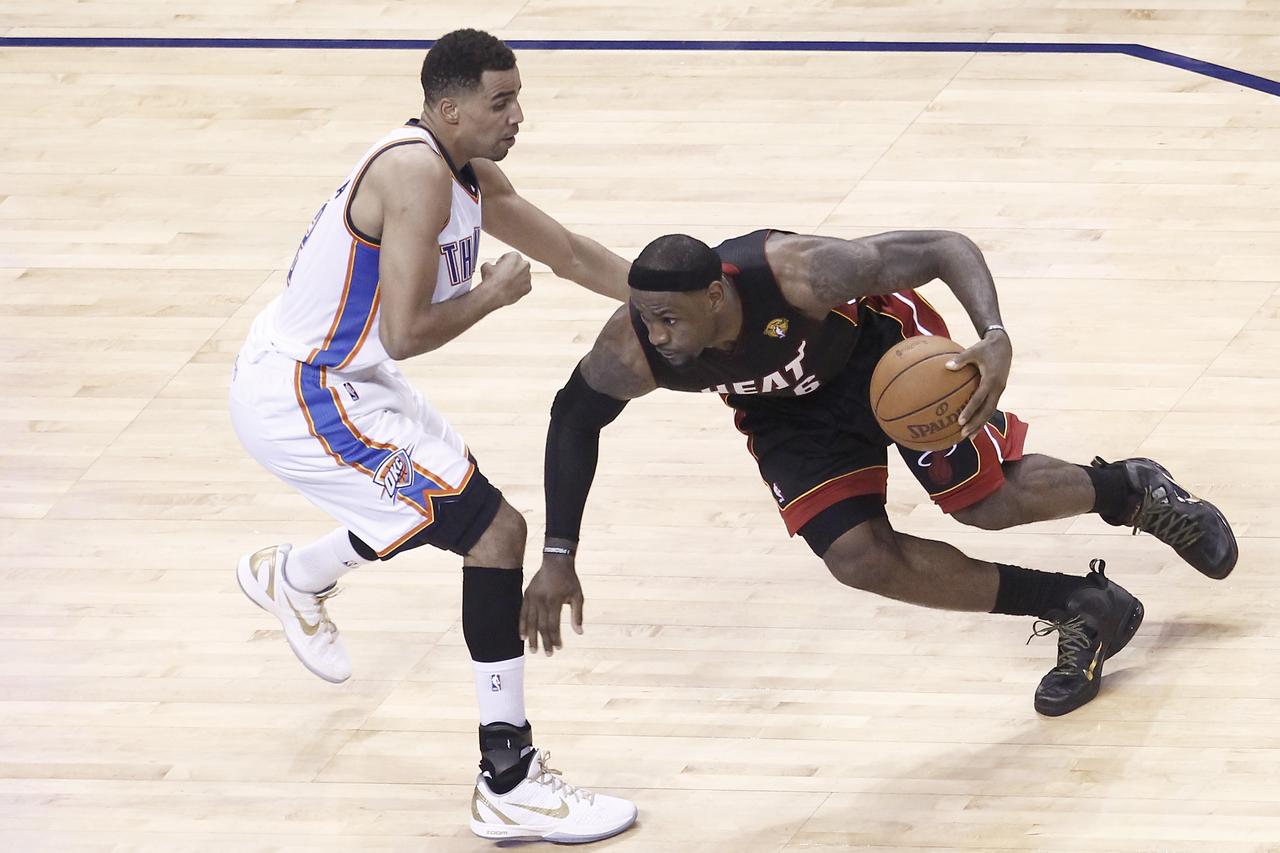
(675, 263)
(457, 59)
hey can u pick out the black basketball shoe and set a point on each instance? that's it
(1195, 528)
(1099, 620)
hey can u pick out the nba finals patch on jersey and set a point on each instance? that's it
(777, 328)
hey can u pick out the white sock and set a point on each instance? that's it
(500, 691)
(318, 565)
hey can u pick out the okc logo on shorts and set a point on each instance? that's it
(395, 473)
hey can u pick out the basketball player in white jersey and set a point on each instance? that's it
(385, 272)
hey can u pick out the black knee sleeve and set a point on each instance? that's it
(491, 600)
(361, 547)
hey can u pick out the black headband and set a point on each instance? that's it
(697, 276)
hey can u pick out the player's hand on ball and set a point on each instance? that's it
(555, 585)
(508, 276)
(993, 356)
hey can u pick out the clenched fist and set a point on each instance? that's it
(508, 277)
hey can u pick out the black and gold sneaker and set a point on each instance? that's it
(1099, 620)
(1195, 528)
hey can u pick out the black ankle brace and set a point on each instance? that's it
(505, 753)
(1027, 592)
(1113, 498)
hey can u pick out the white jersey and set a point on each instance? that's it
(328, 314)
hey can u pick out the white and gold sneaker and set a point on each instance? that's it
(307, 627)
(545, 806)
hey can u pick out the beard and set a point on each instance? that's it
(680, 359)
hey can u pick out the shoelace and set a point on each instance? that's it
(1072, 640)
(1161, 520)
(550, 776)
(313, 607)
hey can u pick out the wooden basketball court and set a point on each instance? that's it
(151, 200)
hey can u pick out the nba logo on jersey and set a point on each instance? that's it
(395, 473)
(460, 257)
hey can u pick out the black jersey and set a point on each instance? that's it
(779, 352)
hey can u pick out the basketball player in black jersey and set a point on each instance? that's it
(787, 328)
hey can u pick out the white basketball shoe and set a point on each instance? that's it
(307, 626)
(544, 806)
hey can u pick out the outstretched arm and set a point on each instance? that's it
(820, 273)
(602, 383)
(520, 224)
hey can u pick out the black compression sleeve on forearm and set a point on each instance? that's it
(573, 445)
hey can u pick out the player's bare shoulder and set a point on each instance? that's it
(816, 273)
(616, 364)
(493, 181)
(407, 179)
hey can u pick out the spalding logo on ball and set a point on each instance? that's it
(917, 401)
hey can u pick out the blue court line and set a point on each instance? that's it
(1138, 51)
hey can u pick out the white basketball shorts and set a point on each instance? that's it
(363, 446)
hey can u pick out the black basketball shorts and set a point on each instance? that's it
(816, 450)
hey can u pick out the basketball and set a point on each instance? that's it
(917, 401)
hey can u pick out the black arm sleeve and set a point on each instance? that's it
(573, 445)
